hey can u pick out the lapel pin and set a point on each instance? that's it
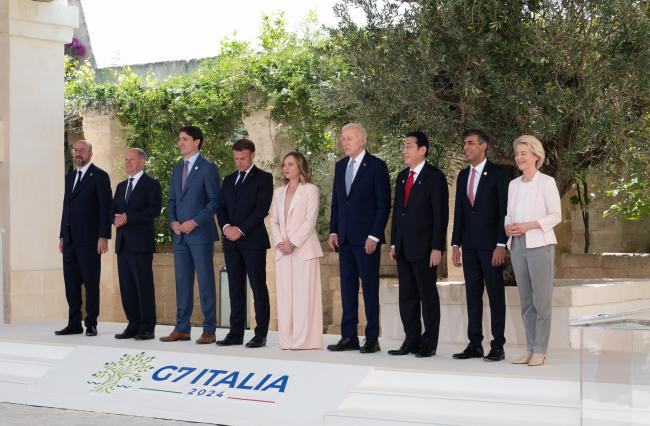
(196, 167)
(484, 173)
(91, 174)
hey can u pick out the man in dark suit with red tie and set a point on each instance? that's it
(84, 235)
(418, 237)
(360, 208)
(137, 203)
(481, 199)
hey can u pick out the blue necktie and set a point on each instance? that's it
(349, 177)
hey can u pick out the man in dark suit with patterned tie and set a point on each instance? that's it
(480, 209)
(84, 235)
(360, 208)
(193, 201)
(418, 238)
(245, 201)
(136, 204)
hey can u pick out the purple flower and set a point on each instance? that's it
(75, 49)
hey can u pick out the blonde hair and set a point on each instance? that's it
(359, 127)
(303, 167)
(535, 147)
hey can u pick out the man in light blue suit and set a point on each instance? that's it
(193, 201)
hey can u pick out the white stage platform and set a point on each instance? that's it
(268, 386)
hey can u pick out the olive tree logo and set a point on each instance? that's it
(128, 368)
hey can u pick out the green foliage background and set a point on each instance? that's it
(572, 72)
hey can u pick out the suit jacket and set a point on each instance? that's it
(365, 210)
(299, 227)
(246, 206)
(145, 203)
(542, 205)
(481, 226)
(87, 209)
(199, 201)
(421, 225)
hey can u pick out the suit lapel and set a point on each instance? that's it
(295, 199)
(84, 180)
(138, 188)
(192, 173)
(362, 169)
(282, 196)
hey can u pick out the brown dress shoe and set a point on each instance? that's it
(175, 336)
(206, 338)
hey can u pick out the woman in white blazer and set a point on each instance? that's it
(533, 211)
(297, 257)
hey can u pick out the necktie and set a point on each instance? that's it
(129, 190)
(408, 186)
(470, 190)
(76, 182)
(186, 171)
(240, 178)
(349, 176)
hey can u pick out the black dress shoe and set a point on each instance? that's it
(126, 334)
(345, 344)
(230, 341)
(404, 350)
(69, 330)
(370, 347)
(495, 354)
(91, 330)
(145, 335)
(470, 352)
(425, 351)
(256, 342)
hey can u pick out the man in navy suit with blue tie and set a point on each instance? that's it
(136, 205)
(360, 208)
(193, 202)
(480, 238)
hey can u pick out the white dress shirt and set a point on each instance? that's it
(136, 178)
(83, 171)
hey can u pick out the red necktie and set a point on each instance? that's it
(408, 186)
(470, 190)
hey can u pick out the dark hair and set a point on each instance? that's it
(303, 167)
(482, 136)
(244, 145)
(421, 140)
(194, 132)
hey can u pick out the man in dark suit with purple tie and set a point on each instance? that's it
(479, 237)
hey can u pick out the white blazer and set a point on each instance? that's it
(299, 227)
(542, 205)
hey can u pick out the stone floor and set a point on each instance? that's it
(20, 415)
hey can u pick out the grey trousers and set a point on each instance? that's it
(533, 270)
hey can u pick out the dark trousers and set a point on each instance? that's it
(81, 266)
(419, 302)
(137, 290)
(188, 260)
(239, 264)
(479, 273)
(354, 263)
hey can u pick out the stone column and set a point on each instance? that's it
(32, 35)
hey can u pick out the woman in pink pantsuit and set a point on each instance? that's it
(297, 256)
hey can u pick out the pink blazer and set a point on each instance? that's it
(300, 225)
(543, 205)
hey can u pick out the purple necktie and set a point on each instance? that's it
(186, 171)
